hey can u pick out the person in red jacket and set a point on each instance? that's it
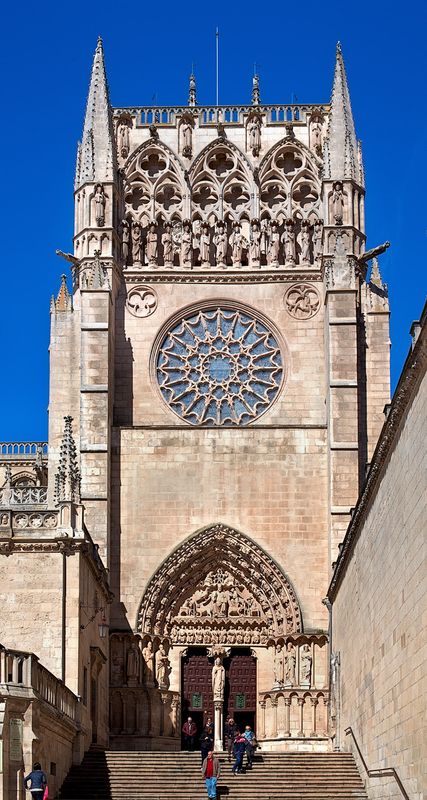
(189, 730)
(210, 771)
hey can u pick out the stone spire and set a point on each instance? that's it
(64, 301)
(341, 144)
(361, 168)
(255, 91)
(96, 152)
(377, 293)
(192, 97)
(67, 479)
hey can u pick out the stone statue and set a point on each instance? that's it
(273, 252)
(205, 243)
(289, 241)
(218, 680)
(148, 656)
(316, 134)
(220, 242)
(186, 245)
(163, 668)
(254, 133)
(186, 137)
(151, 244)
(305, 664)
(317, 239)
(125, 240)
(338, 203)
(167, 245)
(305, 243)
(290, 664)
(237, 242)
(123, 144)
(99, 197)
(278, 667)
(136, 243)
(132, 665)
(255, 245)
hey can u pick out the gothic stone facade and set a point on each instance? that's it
(222, 362)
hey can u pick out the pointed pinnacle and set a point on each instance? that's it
(339, 49)
(342, 145)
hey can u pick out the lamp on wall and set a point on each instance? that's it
(103, 626)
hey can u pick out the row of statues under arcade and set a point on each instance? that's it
(222, 243)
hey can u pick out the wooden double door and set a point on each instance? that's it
(240, 687)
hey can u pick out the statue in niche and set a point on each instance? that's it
(218, 680)
(237, 244)
(116, 671)
(132, 665)
(305, 242)
(167, 244)
(254, 135)
(305, 664)
(290, 664)
(148, 656)
(123, 144)
(186, 244)
(338, 203)
(316, 134)
(163, 669)
(289, 241)
(205, 243)
(317, 239)
(255, 244)
(279, 667)
(99, 198)
(136, 243)
(125, 240)
(151, 244)
(220, 241)
(186, 137)
(273, 252)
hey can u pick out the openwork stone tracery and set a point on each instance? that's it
(219, 587)
(219, 366)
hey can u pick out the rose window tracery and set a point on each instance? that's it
(219, 366)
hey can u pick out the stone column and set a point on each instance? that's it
(301, 702)
(262, 719)
(274, 707)
(287, 716)
(314, 702)
(219, 725)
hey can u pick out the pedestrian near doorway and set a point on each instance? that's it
(206, 742)
(239, 748)
(189, 730)
(250, 745)
(210, 771)
(38, 782)
(229, 732)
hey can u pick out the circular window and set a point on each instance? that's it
(219, 366)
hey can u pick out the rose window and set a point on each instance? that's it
(219, 366)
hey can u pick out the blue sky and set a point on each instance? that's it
(46, 53)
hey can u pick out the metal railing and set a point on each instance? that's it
(377, 773)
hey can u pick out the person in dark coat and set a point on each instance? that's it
(239, 748)
(206, 742)
(189, 730)
(38, 782)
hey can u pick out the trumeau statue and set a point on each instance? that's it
(305, 242)
(99, 197)
(218, 680)
(273, 251)
(167, 244)
(338, 203)
(255, 244)
(136, 243)
(125, 240)
(186, 245)
(151, 244)
(289, 241)
(220, 241)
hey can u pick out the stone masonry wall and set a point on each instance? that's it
(382, 602)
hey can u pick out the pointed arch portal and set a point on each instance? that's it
(219, 587)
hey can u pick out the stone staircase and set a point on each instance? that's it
(118, 775)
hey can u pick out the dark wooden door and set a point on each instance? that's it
(241, 688)
(197, 698)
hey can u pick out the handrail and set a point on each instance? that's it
(377, 773)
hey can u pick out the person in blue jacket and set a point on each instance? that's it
(38, 782)
(238, 752)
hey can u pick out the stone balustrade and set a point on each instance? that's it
(22, 674)
(17, 450)
(214, 115)
(23, 496)
(293, 714)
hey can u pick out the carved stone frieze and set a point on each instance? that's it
(241, 596)
(302, 301)
(261, 276)
(141, 301)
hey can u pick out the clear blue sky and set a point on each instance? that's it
(46, 53)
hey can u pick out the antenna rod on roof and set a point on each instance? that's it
(217, 65)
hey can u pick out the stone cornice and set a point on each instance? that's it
(225, 276)
(410, 378)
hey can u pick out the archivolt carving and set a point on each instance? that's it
(219, 587)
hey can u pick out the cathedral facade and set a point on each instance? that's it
(219, 365)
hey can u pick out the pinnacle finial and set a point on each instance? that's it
(255, 90)
(339, 49)
(192, 95)
(67, 478)
(63, 301)
(341, 144)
